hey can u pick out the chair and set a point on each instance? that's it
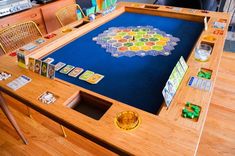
(16, 36)
(69, 14)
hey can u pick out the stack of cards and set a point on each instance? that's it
(21, 58)
(19, 82)
(47, 98)
(88, 76)
(75, 72)
(174, 80)
(44, 68)
(4, 76)
(91, 77)
(59, 65)
(67, 69)
(200, 83)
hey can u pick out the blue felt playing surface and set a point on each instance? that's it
(136, 81)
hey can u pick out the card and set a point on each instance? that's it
(167, 96)
(86, 75)
(51, 71)
(200, 83)
(4, 76)
(95, 78)
(66, 69)
(31, 64)
(171, 87)
(40, 41)
(21, 59)
(44, 69)
(183, 63)
(48, 60)
(75, 72)
(59, 65)
(19, 82)
(47, 98)
(29, 46)
(37, 67)
(180, 69)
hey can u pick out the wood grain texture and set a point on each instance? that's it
(45, 137)
(164, 134)
(218, 137)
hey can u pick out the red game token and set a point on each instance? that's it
(50, 36)
(12, 54)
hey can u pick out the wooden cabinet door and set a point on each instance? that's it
(48, 12)
(33, 14)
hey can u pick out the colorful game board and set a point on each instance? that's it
(140, 40)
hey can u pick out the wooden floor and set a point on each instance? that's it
(45, 137)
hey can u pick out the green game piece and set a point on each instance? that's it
(185, 115)
(188, 104)
(185, 110)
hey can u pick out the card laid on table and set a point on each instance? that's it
(48, 60)
(86, 75)
(59, 65)
(95, 78)
(75, 72)
(19, 82)
(67, 69)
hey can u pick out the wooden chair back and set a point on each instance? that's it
(16, 36)
(69, 14)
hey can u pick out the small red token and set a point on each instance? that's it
(12, 54)
(50, 36)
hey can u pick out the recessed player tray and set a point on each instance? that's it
(83, 22)
(90, 105)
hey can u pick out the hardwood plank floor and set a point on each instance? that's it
(46, 138)
(218, 137)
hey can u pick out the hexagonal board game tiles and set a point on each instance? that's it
(140, 41)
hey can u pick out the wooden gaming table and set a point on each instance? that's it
(164, 132)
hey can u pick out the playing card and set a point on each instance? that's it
(51, 71)
(40, 41)
(59, 65)
(183, 64)
(19, 82)
(86, 75)
(44, 69)
(48, 60)
(167, 96)
(75, 72)
(37, 67)
(21, 59)
(31, 64)
(95, 78)
(66, 69)
(29, 46)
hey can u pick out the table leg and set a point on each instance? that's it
(10, 117)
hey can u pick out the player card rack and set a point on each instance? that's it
(174, 81)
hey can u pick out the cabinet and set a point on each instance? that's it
(42, 15)
(33, 14)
